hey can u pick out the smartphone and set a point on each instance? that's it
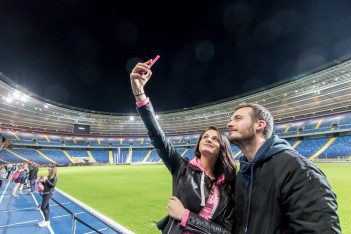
(154, 60)
(152, 63)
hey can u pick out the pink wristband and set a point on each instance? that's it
(185, 218)
(142, 102)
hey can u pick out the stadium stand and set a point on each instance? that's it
(101, 156)
(340, 148)
(70, 148)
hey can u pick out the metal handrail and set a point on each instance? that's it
(75, 219)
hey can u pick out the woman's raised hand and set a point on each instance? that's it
(139, 76)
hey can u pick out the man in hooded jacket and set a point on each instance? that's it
(277, 190)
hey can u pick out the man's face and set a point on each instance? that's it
(241, 127)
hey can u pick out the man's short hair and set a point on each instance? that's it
(260, 113)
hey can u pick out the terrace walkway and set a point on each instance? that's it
(19, 214)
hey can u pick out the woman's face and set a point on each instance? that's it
(210, 143)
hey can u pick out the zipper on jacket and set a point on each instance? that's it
(199, 228)
(219, 212)
(249, 196)
(246, 208)
(170, 228)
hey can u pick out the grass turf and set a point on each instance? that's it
(136, 195)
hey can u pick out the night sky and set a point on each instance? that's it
(80, 53)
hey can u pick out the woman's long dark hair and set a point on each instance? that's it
(225, 163)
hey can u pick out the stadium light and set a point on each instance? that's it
(24, 98)
(16, 94)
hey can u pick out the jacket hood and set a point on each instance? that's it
(197, 163)
(271, 147)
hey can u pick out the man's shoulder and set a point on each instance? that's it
(290, 159)
(287, 155)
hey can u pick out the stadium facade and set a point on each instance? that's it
(321, 93)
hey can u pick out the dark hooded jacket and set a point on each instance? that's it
(33, 173)
(187, 183)
(49, 185)
(282, 192)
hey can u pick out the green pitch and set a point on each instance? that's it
(136, 196)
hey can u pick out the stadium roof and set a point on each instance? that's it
(321, 93)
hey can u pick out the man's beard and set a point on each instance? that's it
(246, 138)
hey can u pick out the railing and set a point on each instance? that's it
(75, 219)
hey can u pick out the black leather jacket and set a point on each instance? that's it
(33, 173)
(282, 192)
(49, 185)
(186, 179)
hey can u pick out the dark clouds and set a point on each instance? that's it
(80, 52)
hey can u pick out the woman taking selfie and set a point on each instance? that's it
(202, 188)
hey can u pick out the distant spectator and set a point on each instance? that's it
(4, 142)
(13, 169)
(49, 188)
(33, 175)
(21, 180)
(40, 188)
(3, 174)
(9, 170)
